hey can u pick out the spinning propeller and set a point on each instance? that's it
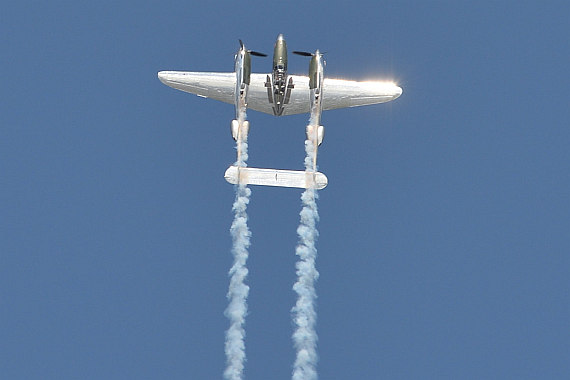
(256, 53)
(304, 53)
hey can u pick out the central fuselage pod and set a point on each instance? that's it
(279, 85)
(280, 62)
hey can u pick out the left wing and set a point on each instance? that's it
(337, 93)
(218, 86)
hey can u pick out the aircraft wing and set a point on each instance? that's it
(218, 86)
(337, 93)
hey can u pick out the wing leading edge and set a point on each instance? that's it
(337, 93)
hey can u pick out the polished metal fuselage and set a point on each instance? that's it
(279, 85)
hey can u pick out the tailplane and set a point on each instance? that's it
(275, 177)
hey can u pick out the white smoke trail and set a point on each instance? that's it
(241, 146)
(238, 290)
(304, 313)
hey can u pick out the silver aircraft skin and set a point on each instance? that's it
(339, 93)
(279, 94)
(243, 71)
(315, 131)
(240, 126)
(316, 77)
(278, 85)
(243, 77)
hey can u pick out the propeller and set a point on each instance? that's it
(256, 53)
(307, 54)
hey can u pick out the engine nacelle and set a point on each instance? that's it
(320, 133)
(235, 129)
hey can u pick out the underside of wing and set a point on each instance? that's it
(218, 86)
(260, 98)
(338, 93)
(221, 86)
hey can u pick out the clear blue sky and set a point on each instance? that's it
(444, 243)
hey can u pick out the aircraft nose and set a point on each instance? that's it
(280, 37)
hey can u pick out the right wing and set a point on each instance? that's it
(337, 93)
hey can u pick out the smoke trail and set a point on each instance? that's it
(241, 143)
(238, 290)
(304, 313)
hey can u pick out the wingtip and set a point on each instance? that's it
(398, 91)
(165, 77)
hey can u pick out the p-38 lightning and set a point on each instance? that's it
(279, 94)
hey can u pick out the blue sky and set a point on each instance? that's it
(443, 249)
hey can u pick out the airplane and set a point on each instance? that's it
(279, 94)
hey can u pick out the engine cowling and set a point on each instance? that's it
(235, 128)
(320, 133)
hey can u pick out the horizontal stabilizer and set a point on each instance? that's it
(275, 177)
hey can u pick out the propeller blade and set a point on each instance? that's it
(303, 53)
(256, 53)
